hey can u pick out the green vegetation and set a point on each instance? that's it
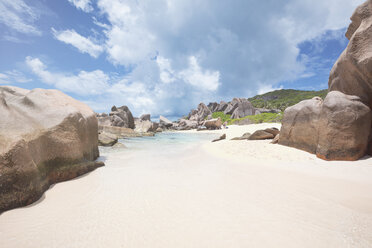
(281, 99)
(261, 118)
(222, 116)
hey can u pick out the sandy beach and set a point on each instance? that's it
(202, 194)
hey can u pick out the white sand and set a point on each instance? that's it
(227, 194)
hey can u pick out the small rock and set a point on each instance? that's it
(273, 131)
(222, 137)
(107, 139)
(261, 135)
(243, 137)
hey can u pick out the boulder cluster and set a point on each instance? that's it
(202, 116)
(339, 127)
(120, 123)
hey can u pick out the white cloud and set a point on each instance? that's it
(13, 76)
(206, 80)
(267, 88)
(19, 16)
(85, 45)
(84, 83)
(84, 5)
(239, 45)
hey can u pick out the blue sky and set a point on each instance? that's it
(166, 56)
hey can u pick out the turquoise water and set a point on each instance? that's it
(162, 144)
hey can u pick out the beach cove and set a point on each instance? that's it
(178, 189)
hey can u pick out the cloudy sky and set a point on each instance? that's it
(166, 56)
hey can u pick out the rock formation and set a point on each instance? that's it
(243, 137)
(340, 127)
(200, 114)
(213, 124)
(243, 109)
(164, 123)
(118, 117)
(45, 137)
(107, 139)
(222, 137)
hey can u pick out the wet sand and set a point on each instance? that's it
(203, 194)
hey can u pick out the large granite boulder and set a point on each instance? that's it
(107, 139)
(231, 106)
(118, 117)
(145, 126)
(122, 117)
(339, 128)
(244, 108)
(164, 122)
(145, 117)
(187, 124)
(300, 125)
(213, 124)
(200, 114)
(45, 137)
(343, 128)
(261, 135)
(213, 106)
(222, 106)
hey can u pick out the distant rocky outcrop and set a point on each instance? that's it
(118, 117)
(244, 108)
(145, 125)
(339, 128)
(45, 137)
(200, 114)
(164, 123)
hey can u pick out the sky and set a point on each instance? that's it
(165, 56)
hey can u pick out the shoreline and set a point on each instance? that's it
(203, 195)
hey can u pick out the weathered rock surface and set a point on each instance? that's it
(274, 131)
(164, 122)
(222, 137)
(276, 139)
(243, 109)
(339, 128)
(213, 106)
(200, 114)
(243, 137)
(213, 124)
(107, 139)
(187, 124)
(45, 137)
(232, 106)
(124, 114)
(118, 117)
(300, 125)
(120, 132)
(261, 135)
(343, 128)
(222, 106)
(145, 126)
(145, 117)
